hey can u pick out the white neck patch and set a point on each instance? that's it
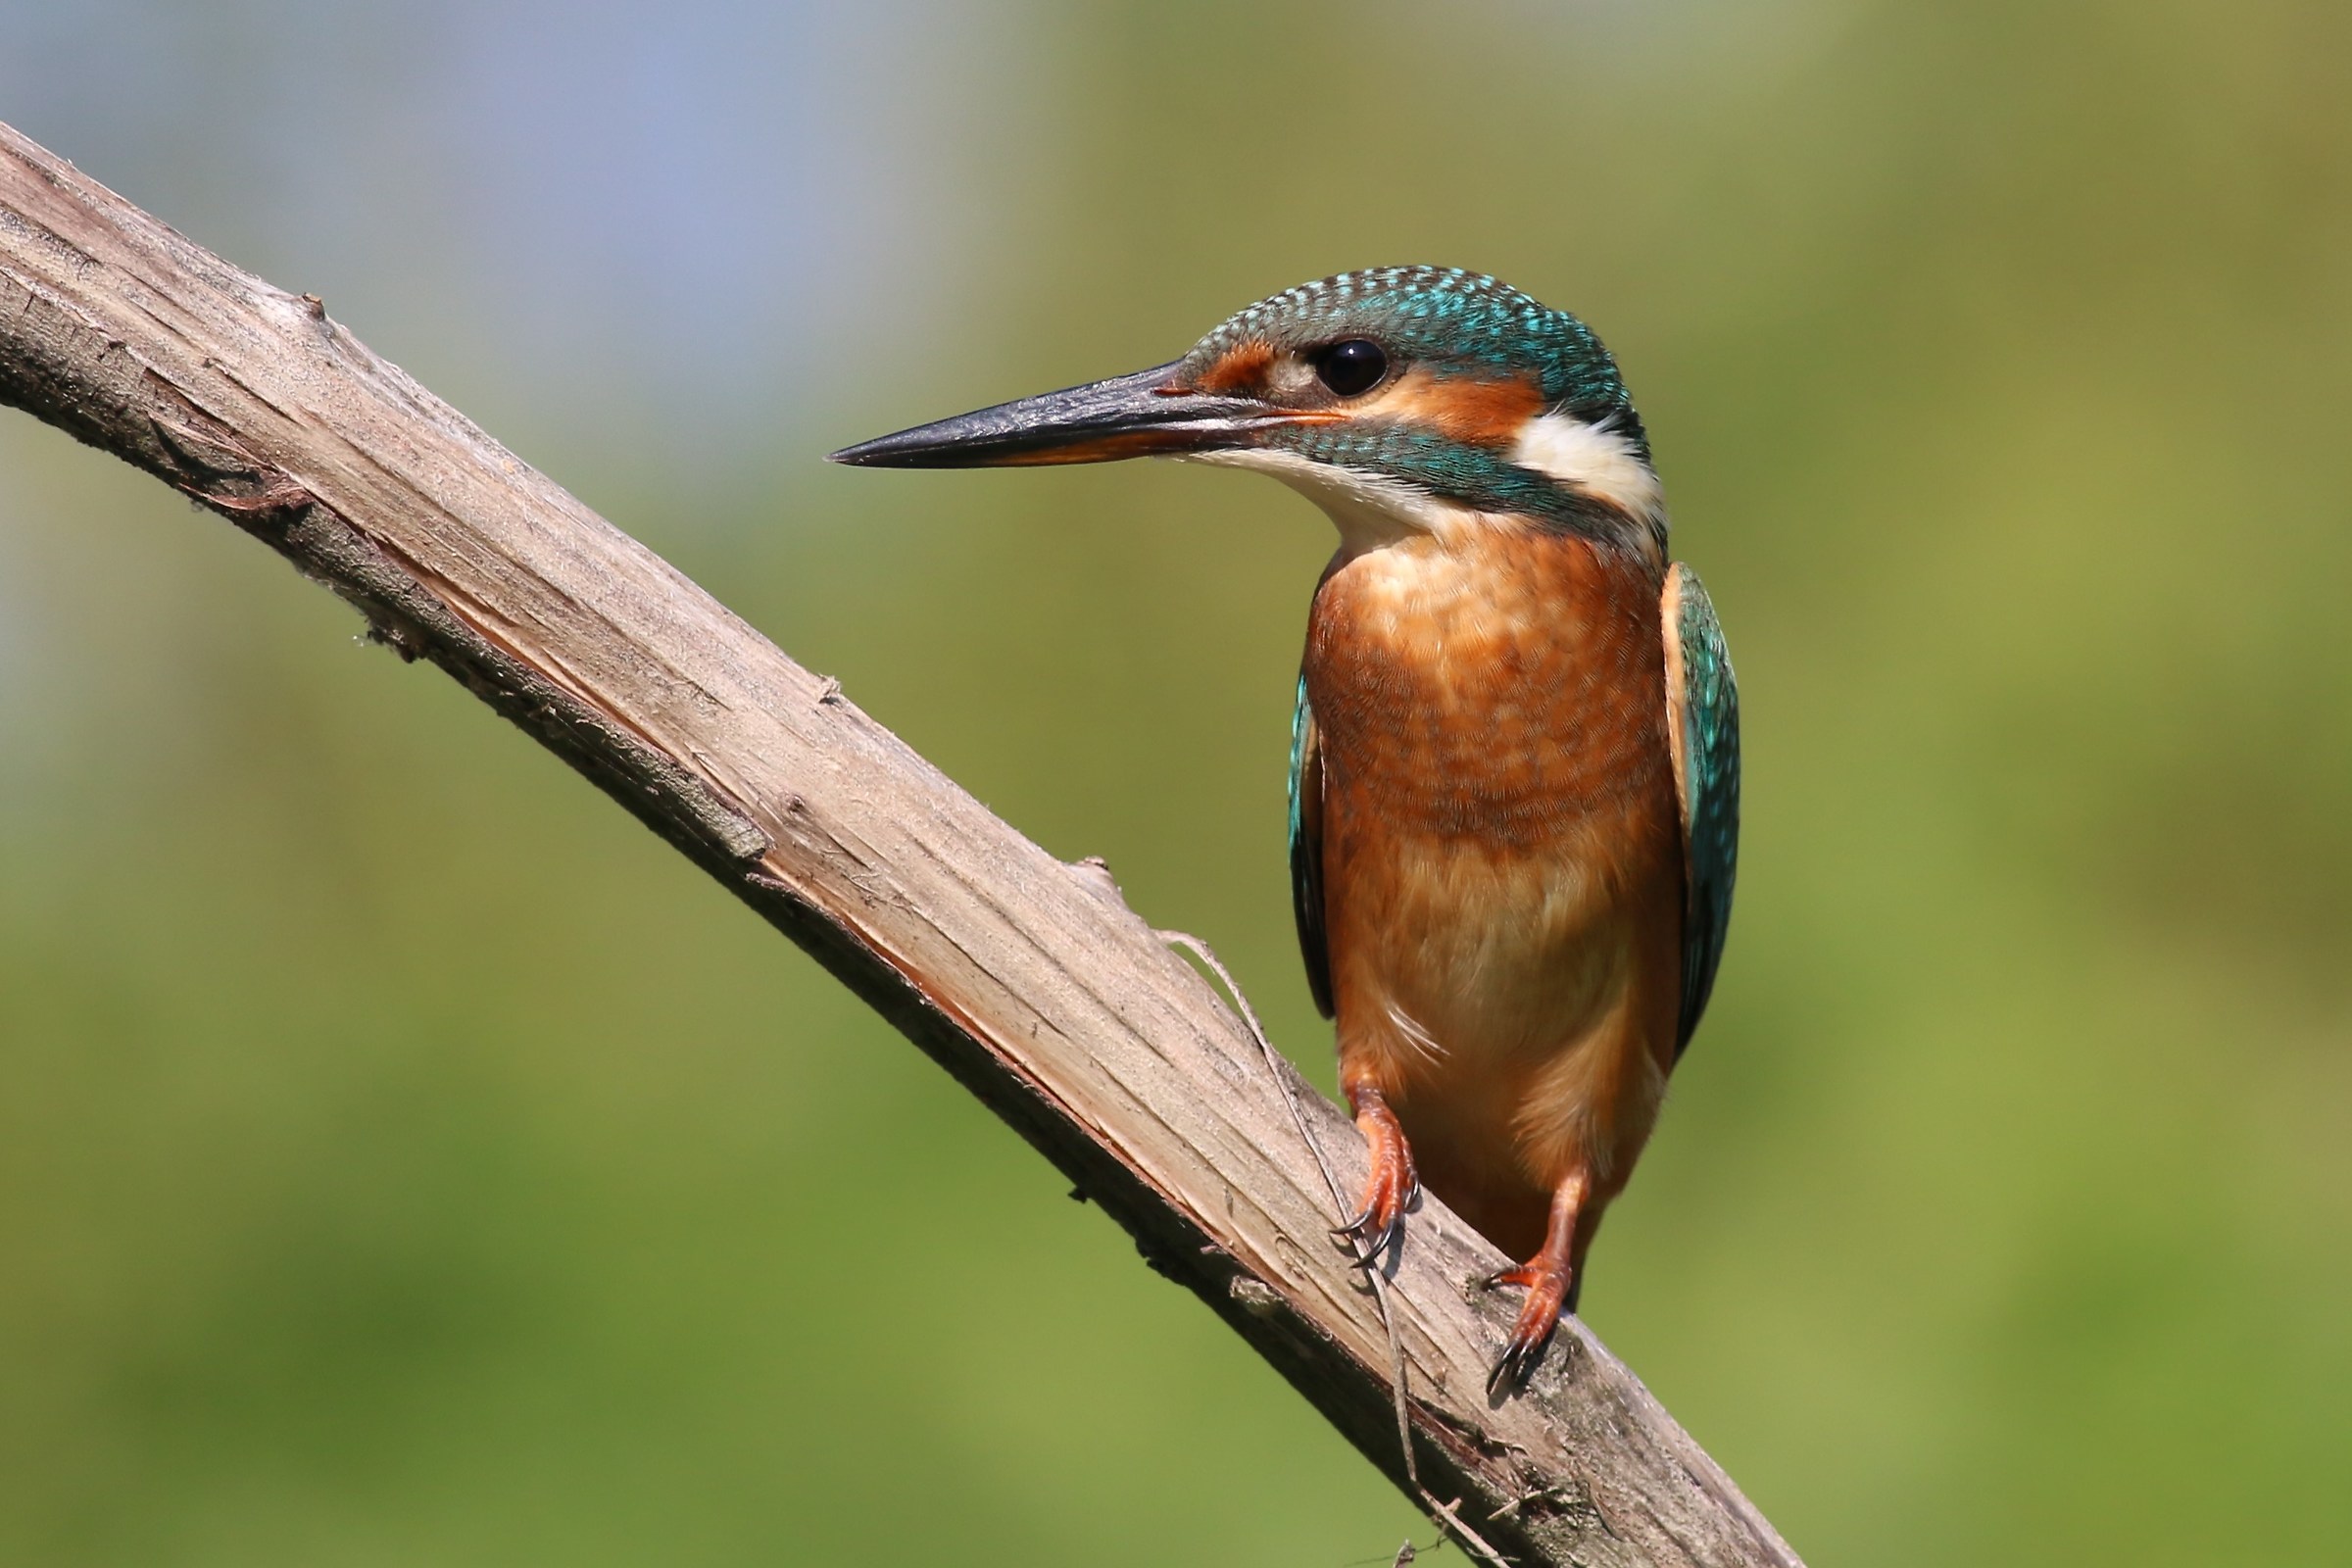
(1595, 460)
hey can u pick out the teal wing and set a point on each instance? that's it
(1306, 849)
(1703, 704)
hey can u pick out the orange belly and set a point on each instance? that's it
(1501, 858)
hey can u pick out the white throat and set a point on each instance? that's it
(1371, 512)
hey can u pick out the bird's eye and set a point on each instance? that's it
(1353, 366)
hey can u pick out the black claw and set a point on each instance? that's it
(1519, 1359)
(1376, 1243)
(1505, 1375)
(1372, 1242)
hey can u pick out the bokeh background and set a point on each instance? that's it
(404, 1158)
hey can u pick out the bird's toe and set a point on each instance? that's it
(1390, 1188)
(1546, 1287)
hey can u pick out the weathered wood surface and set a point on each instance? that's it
(1028, 979)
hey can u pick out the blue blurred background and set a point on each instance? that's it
(404, 1158)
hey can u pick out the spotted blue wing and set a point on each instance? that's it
(1306, 849)
(1703, 703)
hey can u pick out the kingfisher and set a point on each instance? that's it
(1514, 771)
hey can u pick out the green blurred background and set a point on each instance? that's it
(404, 1158)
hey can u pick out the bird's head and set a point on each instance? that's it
(1405, 399)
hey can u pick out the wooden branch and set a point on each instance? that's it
(1029, 980)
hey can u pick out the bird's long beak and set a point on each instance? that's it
(1144, 414)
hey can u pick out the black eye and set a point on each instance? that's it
(1356, 365)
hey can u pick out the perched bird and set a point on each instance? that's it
(1515, 757)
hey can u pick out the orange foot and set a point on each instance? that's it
(1391, 1185)
(1546, 1280)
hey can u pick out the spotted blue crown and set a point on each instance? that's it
(1453, 320)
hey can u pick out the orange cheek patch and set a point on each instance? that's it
(1479, 412)
(1241, 368)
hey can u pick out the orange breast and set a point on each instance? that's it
(1501, 690)
(1502, 854)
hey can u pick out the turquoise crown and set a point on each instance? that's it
(1455, 323)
